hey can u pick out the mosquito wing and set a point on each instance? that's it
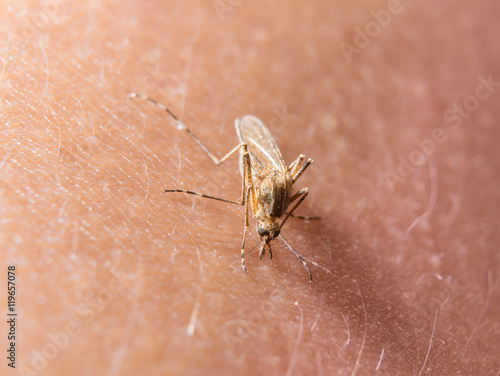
(264, 154)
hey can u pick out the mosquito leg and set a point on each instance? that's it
(302, 194)
(293, 168)
(182, 126)
(301, 171)
(304, 260)
(204, 196)
(242, 146)
(247, 173)
(299, 256)
(157, 104)
(305, 217)
(245, 228)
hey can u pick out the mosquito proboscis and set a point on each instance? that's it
(266, 181)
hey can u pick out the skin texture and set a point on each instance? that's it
(115, 277)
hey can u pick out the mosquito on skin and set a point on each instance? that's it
(266, 181)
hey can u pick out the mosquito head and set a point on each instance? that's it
(267, 230)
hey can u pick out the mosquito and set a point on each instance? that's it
(266, 181)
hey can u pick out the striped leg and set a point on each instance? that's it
(302, 194)
(246, 177)
(204, 196)
(245, 228)
(304, 260)
(304, 217)
(182, 126)
(294, 167)
(297, 175)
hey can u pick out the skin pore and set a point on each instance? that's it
(396, 102)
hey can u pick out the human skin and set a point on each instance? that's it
(116, 277)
